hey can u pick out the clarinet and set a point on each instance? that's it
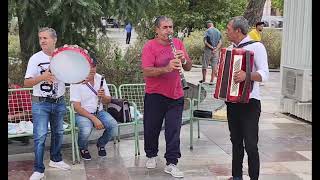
(99, 100)
(183, 80)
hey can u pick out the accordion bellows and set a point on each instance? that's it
(232, 60)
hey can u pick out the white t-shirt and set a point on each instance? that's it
(103, 22)
(83, 94)
(39, 63)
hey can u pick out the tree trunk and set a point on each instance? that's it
(25, 33)
(192, 4)
(254, 11)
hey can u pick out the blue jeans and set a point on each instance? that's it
(42, 114)
(85, 126)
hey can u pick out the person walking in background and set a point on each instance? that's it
(48, 104)
(104, 24)
(164, 96)
(243, 118)
(255, 33)
(212, 41)
(128, 29)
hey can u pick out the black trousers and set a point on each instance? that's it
(128, 37)
(156, 108)
(243, 122)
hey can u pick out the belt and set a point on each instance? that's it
(47, 99)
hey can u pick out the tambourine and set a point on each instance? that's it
(70, 64)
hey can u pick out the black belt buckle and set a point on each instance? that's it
(47, 99)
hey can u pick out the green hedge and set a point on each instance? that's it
(118, 67)
(271, 38)
(122, 68)
(194, 46)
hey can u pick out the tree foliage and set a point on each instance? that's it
(76, 21)
(192, 13)
(278, 4)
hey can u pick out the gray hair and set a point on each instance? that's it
(160, 19)
(241, 23)
(50, 30)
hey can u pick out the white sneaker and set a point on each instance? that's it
(36, 176)
(60, 165)
(151, 163)
(173, 170)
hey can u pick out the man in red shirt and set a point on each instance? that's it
(164, 96)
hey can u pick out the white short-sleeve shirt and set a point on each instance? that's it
(260, 64)
(39, 63)
(83, 94)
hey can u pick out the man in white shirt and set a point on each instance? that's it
(48, 104)
(243, 118)
(88, 99)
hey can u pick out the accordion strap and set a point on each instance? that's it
(248, 78)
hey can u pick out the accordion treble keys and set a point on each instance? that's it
(232, 60)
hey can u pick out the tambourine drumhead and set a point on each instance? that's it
(70, 65)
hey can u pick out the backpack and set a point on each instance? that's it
(119, 109)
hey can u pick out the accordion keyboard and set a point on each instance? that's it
(237, 63)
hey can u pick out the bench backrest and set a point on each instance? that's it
(133, 93)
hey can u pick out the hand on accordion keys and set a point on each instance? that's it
(239, 76)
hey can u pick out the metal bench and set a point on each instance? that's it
(134, 93)
(23, 96)
(204, 101)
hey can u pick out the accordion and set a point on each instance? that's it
(232, 60)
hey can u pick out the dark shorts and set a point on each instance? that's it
(209, 58)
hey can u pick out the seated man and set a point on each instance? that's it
(19, 108)
(86, 98)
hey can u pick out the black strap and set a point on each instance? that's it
(94, 91)
(248, 78)
(43, 63)
(244, 44)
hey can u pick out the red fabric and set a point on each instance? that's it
(19, 101)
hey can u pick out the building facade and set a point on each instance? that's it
(296, 59)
